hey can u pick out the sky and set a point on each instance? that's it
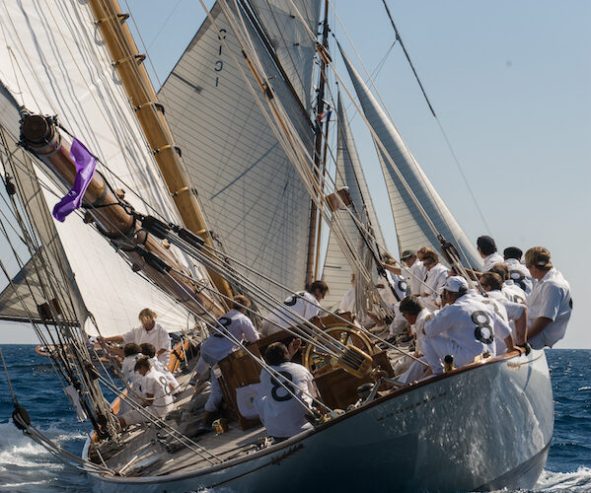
(510, 82)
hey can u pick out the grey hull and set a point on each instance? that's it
(482, 428)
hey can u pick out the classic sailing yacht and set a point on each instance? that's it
(238, 103)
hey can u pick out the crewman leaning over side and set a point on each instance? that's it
(550, 303)
(518, 272)
(464, 329)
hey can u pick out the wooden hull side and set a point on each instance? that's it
(484, 428)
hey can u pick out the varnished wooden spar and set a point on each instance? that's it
(150, 114)
(145, 252)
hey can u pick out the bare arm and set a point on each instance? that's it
(392, 268)
(112, 339)
(538, 325)
(521, 327)
(148, 401)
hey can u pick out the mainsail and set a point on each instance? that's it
(81, 88)
(349, 173)
(419, 212)
(251, 193)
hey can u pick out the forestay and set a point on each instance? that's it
(419, 212)
(349, 173)
(53, 61)
(253, 197)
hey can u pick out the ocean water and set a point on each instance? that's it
(26, 467)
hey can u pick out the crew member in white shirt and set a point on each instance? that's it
(132, 353)
(282, 414)
(149, 351)
(516, 313)
(233, 326)
(303, 305)
(413, 270)
(392, 292)
(518, 272)
(464, 329)
(149, 331)
(157, 398)
(510, 290)
(550, 303)
(417, 316)
(434, 280)
(487, 248)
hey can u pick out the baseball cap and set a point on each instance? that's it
(455, 284)
(407, 254)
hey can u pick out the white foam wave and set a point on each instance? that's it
(563, 482)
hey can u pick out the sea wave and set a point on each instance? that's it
(565, 482)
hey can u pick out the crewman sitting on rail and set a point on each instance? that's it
(157, 399)
(232, 328)
(515, 313)
(518, 272)
(286, 392)
(487, 248)
(302, 305)
(550, 303)
(150, 351)
(465, 328)
(510, 289)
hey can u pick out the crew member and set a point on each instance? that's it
(304, 304)
(550, 303)
(518, 272)
(487, 248)
(232, 327)
(413, 270)
(282, 411)
(465, 328)
(157, 399)
(149, 351)
(434, 279)
(515, 313)
(149, 331)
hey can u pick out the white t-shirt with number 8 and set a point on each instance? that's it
(282, 414)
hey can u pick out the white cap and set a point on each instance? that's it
(455, 284)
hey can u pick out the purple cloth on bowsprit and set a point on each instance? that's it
(85, 166)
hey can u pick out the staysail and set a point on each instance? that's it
(80, 87)
(419, 212)
(251, 193)
(349, 173)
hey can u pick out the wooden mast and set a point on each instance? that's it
(314, 233)
(150, 114)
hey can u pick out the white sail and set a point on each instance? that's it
(288, 26)
(53, 62)
(252, 195)
(349, 173)
(419, 212)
